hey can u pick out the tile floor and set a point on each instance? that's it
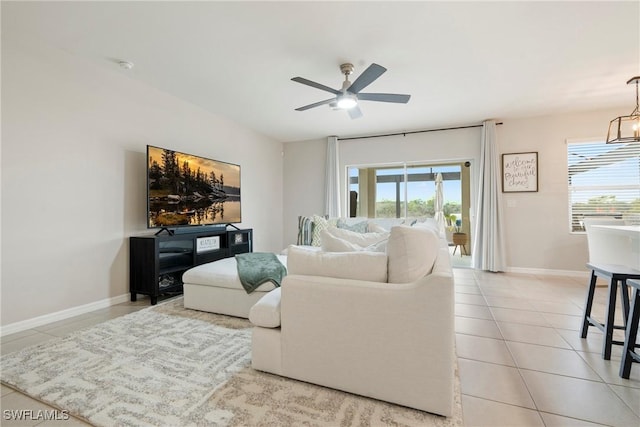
(521, 360)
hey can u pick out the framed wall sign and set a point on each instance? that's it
(520, 172)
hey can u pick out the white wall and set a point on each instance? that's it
(303, 187)
(536, 224)
(73, 176)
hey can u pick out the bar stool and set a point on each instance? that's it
(631, 334)
(616, 275)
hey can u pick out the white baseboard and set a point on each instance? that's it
(23, 325)
(547, 272)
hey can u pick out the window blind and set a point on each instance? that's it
(604, 180)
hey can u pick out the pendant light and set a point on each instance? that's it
(625, 129)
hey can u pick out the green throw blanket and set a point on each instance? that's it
(256, 268)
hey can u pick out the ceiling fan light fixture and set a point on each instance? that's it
(626, 129)
(346, 101)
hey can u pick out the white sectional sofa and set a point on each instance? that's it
(390, 339)
(215, 287)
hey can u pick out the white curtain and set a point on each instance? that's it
(332, 179)
(488, 242)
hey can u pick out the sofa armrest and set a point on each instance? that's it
(389, 341)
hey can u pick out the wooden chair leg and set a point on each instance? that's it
(631, 333)
(609, 321)
(588, 304)
(624, 298)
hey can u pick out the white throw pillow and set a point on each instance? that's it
(331, 243)
(359, 265)
(381, 246)
(361, 239)
(432, 224)
(412, 252)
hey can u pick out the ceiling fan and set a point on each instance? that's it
(347, 98)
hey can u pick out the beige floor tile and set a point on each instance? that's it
(486, 413)
(470, 299)
(88, 322)
(494, 382)
(500, 291)
(504, 302)
(468, 289)
(5, 390)
(576, 398)
(565, 307)
(551, 360)
(552, 420)
(609, 370)
(65, 322)
(483, 349)
(478, 327)
(19, 344)
(18, 335)
(518, 316)
(591, 344)
(532, 334)
(563, 321)
(629, 395)
(470, 310)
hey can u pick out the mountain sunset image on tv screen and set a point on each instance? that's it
(188, 190)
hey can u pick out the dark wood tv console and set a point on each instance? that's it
(156, 262)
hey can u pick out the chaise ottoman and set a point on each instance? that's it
(215, 287)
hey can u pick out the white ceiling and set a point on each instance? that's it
(462, 62)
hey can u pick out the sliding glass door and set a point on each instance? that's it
(408, 190)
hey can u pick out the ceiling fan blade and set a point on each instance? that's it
(366, 78)
(384, 97)
(316, 104)
(316, 85)
(355, 112)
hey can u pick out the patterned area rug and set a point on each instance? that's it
(166, 365)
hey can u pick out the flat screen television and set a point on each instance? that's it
(185, 190)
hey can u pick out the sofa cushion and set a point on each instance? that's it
(373, 227)
(412, 252)
(358, 265)
(266, 312)
(319, 224)
(305, 230)
(432, 224)
(359, 227)
(331, 243)
(339, 240)
(357, 238)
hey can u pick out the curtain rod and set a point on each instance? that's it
(414, 131)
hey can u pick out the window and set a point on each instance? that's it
(604, 180)
(380, 191)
